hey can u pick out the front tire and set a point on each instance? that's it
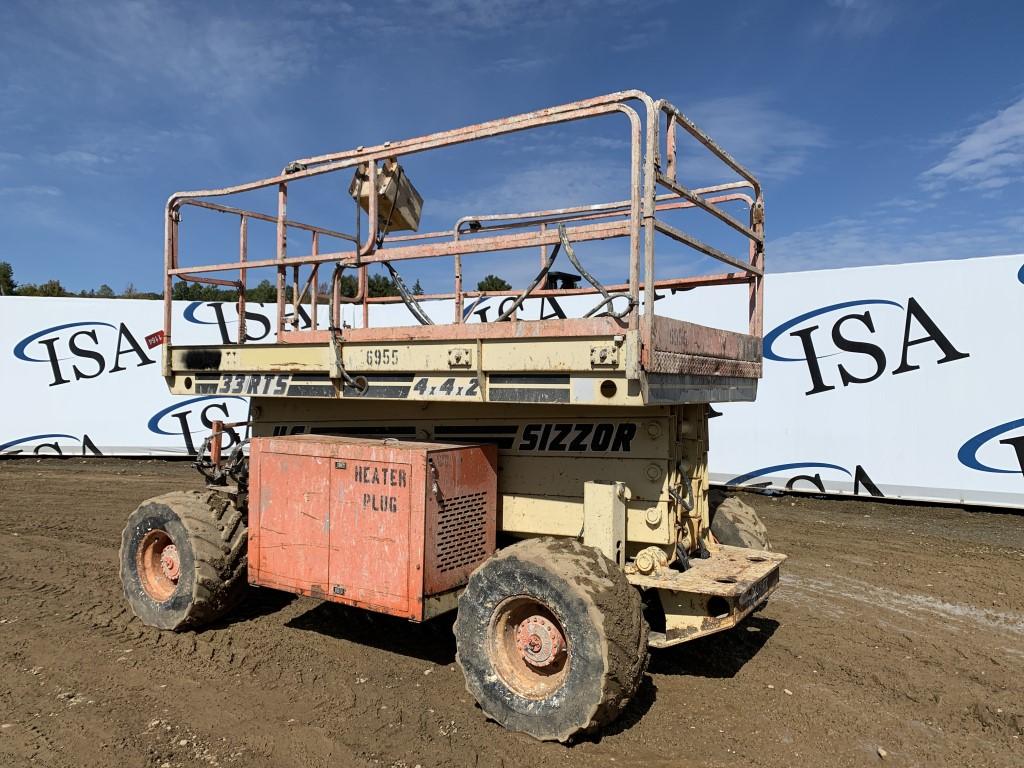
(183, 559)
(551, 638)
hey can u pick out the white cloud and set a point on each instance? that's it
(556, 184)
(327, 7)
(8, 159)
(640, 34)
(458, 18)
(907, 204)
(30, 190)
(206, 52)
(77, 159)
(879, 239)
(852, 19)
(768, 141)
(989, 157)
(517, 64)
(118, 148)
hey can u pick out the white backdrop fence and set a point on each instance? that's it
(896, 381)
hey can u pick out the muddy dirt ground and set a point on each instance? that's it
(897, 637)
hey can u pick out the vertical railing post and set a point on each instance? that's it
(670, 146)
(296, 298)
(336, 298)
(650, 162)
(282, 250)
(364, 291)
(372, 226)
(458, 284)
(635, 210)
(170, 262)
(313, 279)
(756, 287)
(243, 254)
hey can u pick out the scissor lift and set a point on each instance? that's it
(603, 535)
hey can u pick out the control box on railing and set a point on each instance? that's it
(399, 205)
(392, 526)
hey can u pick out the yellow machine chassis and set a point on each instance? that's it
(601, 421)
(624, 479)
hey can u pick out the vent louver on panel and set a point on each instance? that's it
(461, 531)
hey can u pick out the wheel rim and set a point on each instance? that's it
(159, 565)
(528, 647)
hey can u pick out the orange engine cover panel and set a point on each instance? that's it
(379, 524)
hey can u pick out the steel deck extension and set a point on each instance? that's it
(739, 579)
(596, 361)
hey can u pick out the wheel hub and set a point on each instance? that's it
(539, 641)
(170, 562)
(158, 563)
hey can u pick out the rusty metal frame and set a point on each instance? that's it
(635, 218)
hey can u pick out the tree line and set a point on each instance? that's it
(264, 292)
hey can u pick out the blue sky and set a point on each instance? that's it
(883, 131)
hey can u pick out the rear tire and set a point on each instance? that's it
(551, 638)
(736, 524)
(183, 559)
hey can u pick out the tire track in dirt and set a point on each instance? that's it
(103, 611)
(923, 608)
(895, 626)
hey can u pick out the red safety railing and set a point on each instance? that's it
(635, 218)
